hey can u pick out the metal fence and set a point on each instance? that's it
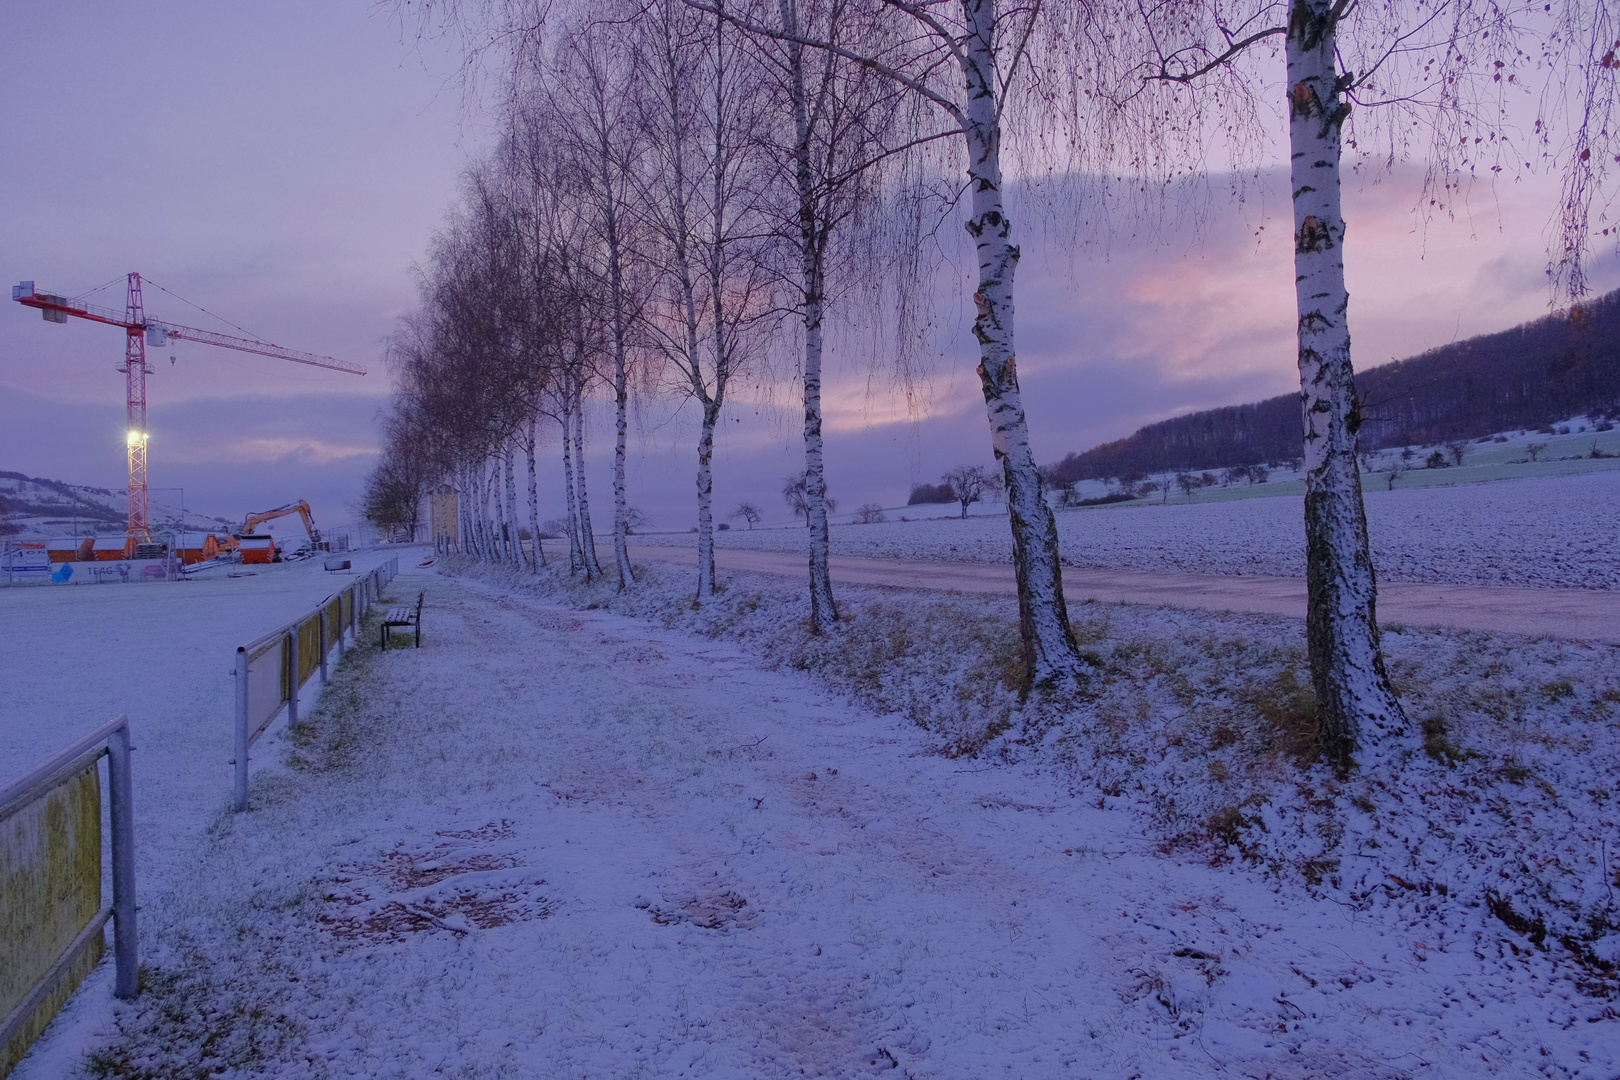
(52, 918)
(271, 669)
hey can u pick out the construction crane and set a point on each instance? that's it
(140, 331)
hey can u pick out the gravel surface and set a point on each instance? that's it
(1553, 532)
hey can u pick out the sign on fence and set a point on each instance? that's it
(270, 670)
(52, 917)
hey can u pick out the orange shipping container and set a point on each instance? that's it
(70, 549)
(257, 549)
(113, 548)
(196, 547)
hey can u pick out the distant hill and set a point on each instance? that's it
(1563, 365)
(35, 506)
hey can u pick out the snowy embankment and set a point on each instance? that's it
(560, 841)
(1555, 532)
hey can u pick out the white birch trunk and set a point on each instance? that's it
(483, 510)
(487, 474)
(621, 380)
(705, 496)
(498, 530)
(587, 536)
(812, 274)
(570, 519)
(539, 559)
(464, 509)
(1347, 664)
(1050, 652)
(514, 546)
(621, 428)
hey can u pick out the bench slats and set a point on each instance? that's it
(404, 616)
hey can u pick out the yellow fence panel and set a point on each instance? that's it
(50, 891)
(309, 648)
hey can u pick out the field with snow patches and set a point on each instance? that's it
(591, 835)
(1550, 532)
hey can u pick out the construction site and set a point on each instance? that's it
(171, 546)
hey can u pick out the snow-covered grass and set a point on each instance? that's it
(1199, 718)
(1544, 533)
(599, 835)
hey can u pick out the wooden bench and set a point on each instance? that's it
(403, 616)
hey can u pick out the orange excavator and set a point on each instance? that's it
(261, 548)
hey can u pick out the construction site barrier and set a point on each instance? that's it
(50, 878)
(273, 668)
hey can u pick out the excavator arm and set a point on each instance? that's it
(301, 508)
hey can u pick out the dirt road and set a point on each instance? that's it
(1582, 614)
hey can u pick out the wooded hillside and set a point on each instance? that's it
(1532, 375)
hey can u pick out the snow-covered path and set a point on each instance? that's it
(557, 843)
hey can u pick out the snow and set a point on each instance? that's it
(584, 834)
(162, 653)
(38, 508)
(1551, 532)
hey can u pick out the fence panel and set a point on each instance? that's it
(309, 647)
(270, 669)
(269, 683)
(51, 911)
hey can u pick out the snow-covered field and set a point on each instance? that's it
(1552, 532)
(588, 835)
(72, 658)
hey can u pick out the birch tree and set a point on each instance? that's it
(963, 58)
(702, 114)
(1445, 68)
(838, 123)
(594, 123)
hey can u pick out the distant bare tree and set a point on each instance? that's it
(796, 493)
(870, 514)
(969, 484)
(749, 513)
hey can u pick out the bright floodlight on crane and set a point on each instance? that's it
(138, 332)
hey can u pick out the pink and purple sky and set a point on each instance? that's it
(284, 165)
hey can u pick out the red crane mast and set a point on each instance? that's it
(139, 331)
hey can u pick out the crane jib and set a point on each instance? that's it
(139, 331)
(58, 309)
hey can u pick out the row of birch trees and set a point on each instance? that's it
(684, 182)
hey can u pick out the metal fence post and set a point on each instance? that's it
(292, 682)
(119, 796)
(242, 661)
